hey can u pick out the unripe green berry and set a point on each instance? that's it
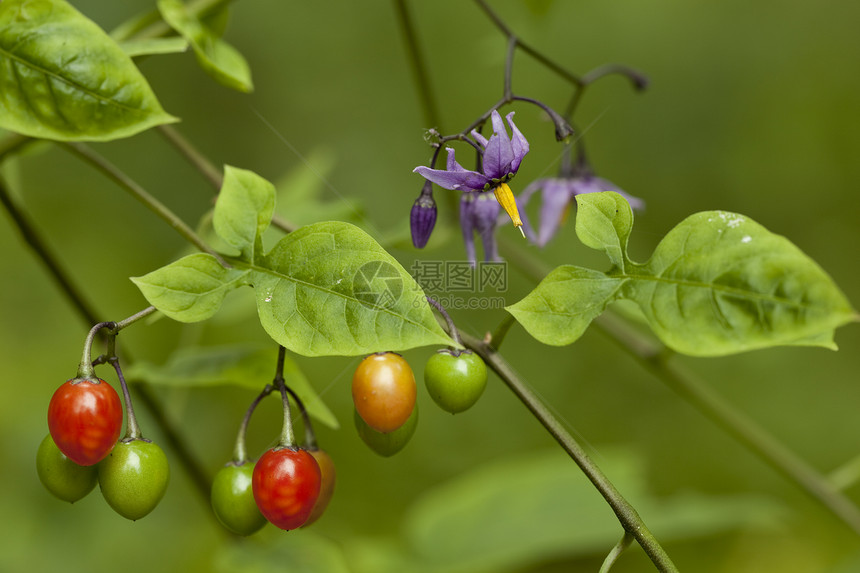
(455, 379)
(233, 499)
(387, 444)
(60, 475)
(133, 477)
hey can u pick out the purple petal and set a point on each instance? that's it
(484, 216)
(455, 180)
(556, 196)
(519, 144)
(467, 206)
(521, 201)
(488, 240)
(498, 153)
(485, 212)
(452, 162)
(479, 138)
(527, 193)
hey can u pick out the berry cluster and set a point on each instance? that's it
(290, 485)
(383, 391)
(83, 447)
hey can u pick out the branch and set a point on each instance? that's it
(417, 62)
(626, 513)
(139, 193)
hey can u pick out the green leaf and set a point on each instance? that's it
(154, 46)
(217, 58)
(248, 366)
(720, 283)
(330, 289)
(244, 210)
(717, 284)
(135, 24)
(603, 222)
(63, 78)
(324, 289)
(565, 302)
(190, 289)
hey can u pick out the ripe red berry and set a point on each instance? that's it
(85, 419)
(286, 484)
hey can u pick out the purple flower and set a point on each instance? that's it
(479, 213)
(501, 160)
(422, 219)
(558, 193)
(501, 155)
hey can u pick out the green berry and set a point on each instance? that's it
(455, 379)
(60, 475)
(133, 478)
(387, 444)
(233, 499)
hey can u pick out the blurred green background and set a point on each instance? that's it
(753, 108)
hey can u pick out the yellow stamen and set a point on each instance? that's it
(506, 199)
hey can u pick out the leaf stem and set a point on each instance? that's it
(198, 8)
(626, 513)
(501, 331)
(193, 155)
(616, 552)
(125, 323)
(139, 193)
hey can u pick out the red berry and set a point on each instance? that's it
(286, 484)
(85, 419)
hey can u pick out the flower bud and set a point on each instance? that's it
(422, 219)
